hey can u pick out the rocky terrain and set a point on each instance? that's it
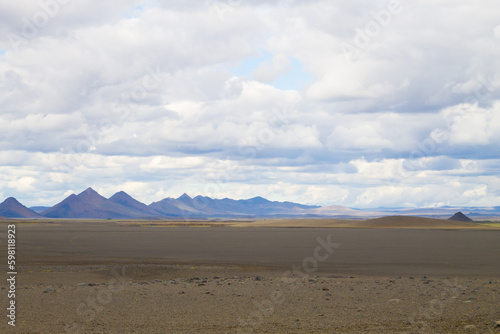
(187, 299)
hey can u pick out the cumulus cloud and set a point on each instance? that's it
(475, 125)
(271, 70)
(401, 106)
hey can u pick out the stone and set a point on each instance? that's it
(496, 324)
(49, 289)
(469, 327)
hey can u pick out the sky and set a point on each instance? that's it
(358, 103)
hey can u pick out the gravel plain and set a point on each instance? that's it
(93, 278)
(210, 299)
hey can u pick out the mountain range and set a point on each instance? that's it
(91, 205)
(201, 206)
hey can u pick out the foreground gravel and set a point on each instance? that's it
(214, 299)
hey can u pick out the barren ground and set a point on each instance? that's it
(147, 277)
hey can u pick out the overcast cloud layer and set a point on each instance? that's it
(354, 103)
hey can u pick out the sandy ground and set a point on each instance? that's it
(144, 278)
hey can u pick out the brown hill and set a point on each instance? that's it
(411, 221)
(383, 222)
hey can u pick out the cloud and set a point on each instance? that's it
(165, 98)
(474, 125)
(22, 184)
(268, 71)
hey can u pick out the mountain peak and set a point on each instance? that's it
(459, 216)
(121, 194)
(90, 193)
(124, 199)
(11, 200)
(185, 197)
(259, 199)
(11, 208)
(89, 190)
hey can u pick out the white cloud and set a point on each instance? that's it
(22, 184)
(269, 71)
(139, 95)
(478, 192)
(474, 125)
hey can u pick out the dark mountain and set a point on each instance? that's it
(89, 204)
(11, 208)
(459, 216)
(128, 201)
(202, 206)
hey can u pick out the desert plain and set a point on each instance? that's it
(386, 275)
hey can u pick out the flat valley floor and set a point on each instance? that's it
(137, 277)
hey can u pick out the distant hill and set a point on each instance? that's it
(201, 206)
(410, 222)
(460, 217)
(90, 204)
(397, 222)
(39, 209)
(141, 209)
(11, 208)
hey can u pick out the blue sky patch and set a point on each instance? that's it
(134, 12)
(296, 78)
